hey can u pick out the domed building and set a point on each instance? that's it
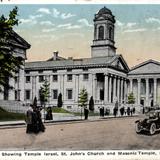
(106, 75)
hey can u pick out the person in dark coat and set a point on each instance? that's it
(28, 120)
(128, 111)
(49, 115)
(40, 124)
(86, 113)
(35, 125)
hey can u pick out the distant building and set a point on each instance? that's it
(106, 75)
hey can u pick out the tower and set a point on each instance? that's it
(103, 43)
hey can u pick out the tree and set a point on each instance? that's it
(60, 102)
(83, 99)
(44, 93)
(9, 64)
(131, 98)
(91, 104)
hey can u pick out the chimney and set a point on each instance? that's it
(55, 55)
(70, 58)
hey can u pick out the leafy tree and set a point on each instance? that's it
(9, 64)
(131, 98)
(91, 104)
(83, 99)
(60, 102)
(44, 93)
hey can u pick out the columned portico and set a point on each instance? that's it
(155, 91)
(139, 91)
(147, 92)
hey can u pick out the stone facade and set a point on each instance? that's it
(106, 76)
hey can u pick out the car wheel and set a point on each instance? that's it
(152, 129)
(138, 127)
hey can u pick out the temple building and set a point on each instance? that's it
(106, 75)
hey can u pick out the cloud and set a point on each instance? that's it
(119, 23)
(67, 15)
(135, 30)
(131, 24)
(85, 22)
(48, 30)
(45, 37)
(69, 26)
(47, 23)
(56, 13)
(28, 21)
(35, 16)
(152, 20)
(44, 10)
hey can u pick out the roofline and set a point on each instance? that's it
(144, 63)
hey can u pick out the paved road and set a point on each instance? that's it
(104, 134)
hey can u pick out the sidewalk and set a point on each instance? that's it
(62, 119)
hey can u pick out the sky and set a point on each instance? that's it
(68, 29)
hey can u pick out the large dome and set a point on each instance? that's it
(104, 10)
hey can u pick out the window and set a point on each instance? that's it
(27, 79)
(54, 71)
(55, 94)
(41, 78)
(69, 70)
(16, 94)
(27, 93)
(110, 32)
(69, 93)
(40, 71)
(55, 78)
(69, 107)
(101, 33)
(85, 69)
(69, 77)
(85, 77)
(27, 72)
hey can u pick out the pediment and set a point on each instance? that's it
(149, 67)
(18, 41)
(120, 64)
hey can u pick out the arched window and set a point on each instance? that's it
(101, 32)
(110, 32)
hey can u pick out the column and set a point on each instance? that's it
(110, 88)
(106, 89)
(94, 87)
(114, 90)
(21, 84)
(121, 99)
(155, 91)
(125, 90)
(139, 91)
(118, 88)
(11, 95)
(147, 91)
(50, 89)
(131, 85)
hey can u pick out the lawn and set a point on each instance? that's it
(59, 110)
(9, 116)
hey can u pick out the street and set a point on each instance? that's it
(115, 133)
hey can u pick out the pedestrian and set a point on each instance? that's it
(40, 124)
(128, 111)
(131, 111)
(115, 111)
(86, 113)
(28, 120)
(49, 115)
(134, 110)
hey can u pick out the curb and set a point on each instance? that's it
(23, 124)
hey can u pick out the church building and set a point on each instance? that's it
(106, 75)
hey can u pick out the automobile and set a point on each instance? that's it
(151, 122)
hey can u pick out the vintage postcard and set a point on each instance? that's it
(79, 80)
